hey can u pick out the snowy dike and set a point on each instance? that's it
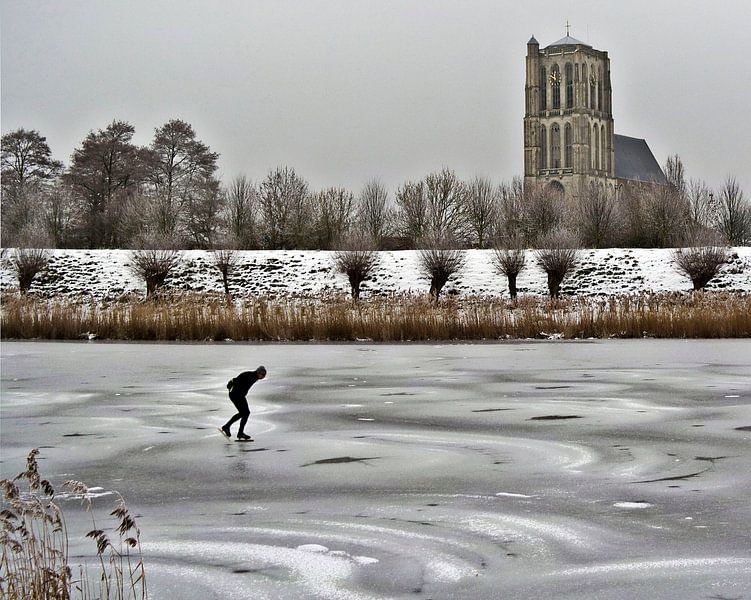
(105, 274)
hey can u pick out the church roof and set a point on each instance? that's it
(634, 160)
(569, 41)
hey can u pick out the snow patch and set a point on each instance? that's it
(632, 505)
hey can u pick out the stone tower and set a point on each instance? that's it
(568, 122)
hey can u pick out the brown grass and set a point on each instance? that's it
(396, 318)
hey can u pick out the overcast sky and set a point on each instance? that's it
(348, 90)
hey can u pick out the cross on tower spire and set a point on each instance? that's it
(568, 27)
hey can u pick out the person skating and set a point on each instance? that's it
(238, 389)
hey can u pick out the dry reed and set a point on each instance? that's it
(194, 317)
(34, 564)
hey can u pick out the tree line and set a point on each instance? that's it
(115, 194)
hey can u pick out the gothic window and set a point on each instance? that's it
(555, 146)
(555, 86)
(603, 148)
(606, 100)
(584, 81)
(576, 72)
(592, 88)
(569, 86)
(596, 150)
(568, 153)
(543, 89)
(599, 91)
(543, 148)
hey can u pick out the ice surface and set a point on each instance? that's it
(445, 472)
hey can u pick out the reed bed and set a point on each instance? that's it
(209, 317)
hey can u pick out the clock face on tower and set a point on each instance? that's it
(555, 77)
(592, 79)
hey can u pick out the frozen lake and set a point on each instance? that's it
(569, 470)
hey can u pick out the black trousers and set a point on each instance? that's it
(243, 412)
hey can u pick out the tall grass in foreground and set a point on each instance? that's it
(34, 564)
(393, 318)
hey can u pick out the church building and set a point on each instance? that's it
(568, 123)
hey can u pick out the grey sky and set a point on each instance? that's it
(344, 91)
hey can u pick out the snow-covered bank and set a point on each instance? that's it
(105, 274)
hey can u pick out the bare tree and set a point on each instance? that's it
(27, 263)
(27, 166)
(178, 167)
(666, 216)
(103, 170)
(438, 261)
(26, 157)
(136, 227)
(557, 258)
(446, 197)
(333, 213)
(225, 260)
(676, 174)
(511, 218)
(702, 205)
(204, 206)
(412, 213)
(700, 263)
(356, 259)
(595, 216)
(60, 214)
(153, 267)
(544, 211)
(734, 220)
(241, 201)
(631, 230)
(284, 209)
(510, 260)
(373, 210)
(481, 210)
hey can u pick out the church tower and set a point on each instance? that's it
(568, 121)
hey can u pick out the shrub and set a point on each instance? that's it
(153, 267)
(225, 261)
(700, 264)
(557, 259)
(510, 261)
(356, 265)
(438, 263)
(27, 263)
(356, 259)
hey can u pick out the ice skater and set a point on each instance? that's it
(238, 388)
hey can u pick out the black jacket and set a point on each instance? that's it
(241, 384)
